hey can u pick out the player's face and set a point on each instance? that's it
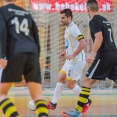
(64, 19)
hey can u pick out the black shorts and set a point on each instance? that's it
(26, 64)
(102, 69)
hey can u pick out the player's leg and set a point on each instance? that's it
(73, 86)
(84, 94)
(99, 70)
(12, 73)
(32, 76)
(59, 88)
(76, 74)
(113, 73)
(5, 103)
(57, 92)
(36, 94)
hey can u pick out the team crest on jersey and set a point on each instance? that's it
(66, 43)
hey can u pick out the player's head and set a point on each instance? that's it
(92, 7)
(66, 16)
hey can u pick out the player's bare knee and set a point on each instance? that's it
(87, 82)
(61, 77)
(70, 84)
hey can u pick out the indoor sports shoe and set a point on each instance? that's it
(51, 106)
(74, 113)
(86, 106)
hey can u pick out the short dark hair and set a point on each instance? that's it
(93, 5)
(67, 12)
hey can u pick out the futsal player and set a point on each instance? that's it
(75, 60)
(19, 54)
(103, 56)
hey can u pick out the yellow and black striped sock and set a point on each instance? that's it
(83, 97)
(41, 108)
(8, 108)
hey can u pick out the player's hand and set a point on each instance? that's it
(70, 57)
(90, 58)
(62, 54)
(3, 63)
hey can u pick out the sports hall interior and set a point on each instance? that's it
(51, 35)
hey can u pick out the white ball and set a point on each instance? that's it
(31, 105)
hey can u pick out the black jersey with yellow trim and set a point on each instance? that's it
(20, 31)
(101, 24)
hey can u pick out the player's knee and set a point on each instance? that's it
(60, 79)
(87, 82)
(70, 84)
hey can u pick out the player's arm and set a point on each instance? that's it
(96, 30)
(97, 43)
(63, 53)
(81, 45)
(3, 42)
(80, 38)
(36, 36)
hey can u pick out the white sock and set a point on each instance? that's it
(76, 90)
(57, 92)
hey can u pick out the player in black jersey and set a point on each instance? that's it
(19, 54)
(103, 56)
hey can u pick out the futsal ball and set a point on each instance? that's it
(31, 105)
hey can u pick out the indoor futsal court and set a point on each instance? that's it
(51, 35)
(104, 102)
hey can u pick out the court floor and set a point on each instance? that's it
(104, 102)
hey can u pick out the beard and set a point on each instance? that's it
(65, 23)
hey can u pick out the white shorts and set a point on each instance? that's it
(73, 70)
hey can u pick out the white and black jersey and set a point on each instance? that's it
(18, 31)
(100, 24)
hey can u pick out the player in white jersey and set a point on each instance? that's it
(75, 60)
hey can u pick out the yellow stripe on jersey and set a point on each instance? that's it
(68, 78)
(80, 37)
(62, 71)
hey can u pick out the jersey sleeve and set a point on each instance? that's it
(36, 36)
(75, 32)
(95, 26)
(3, 37)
